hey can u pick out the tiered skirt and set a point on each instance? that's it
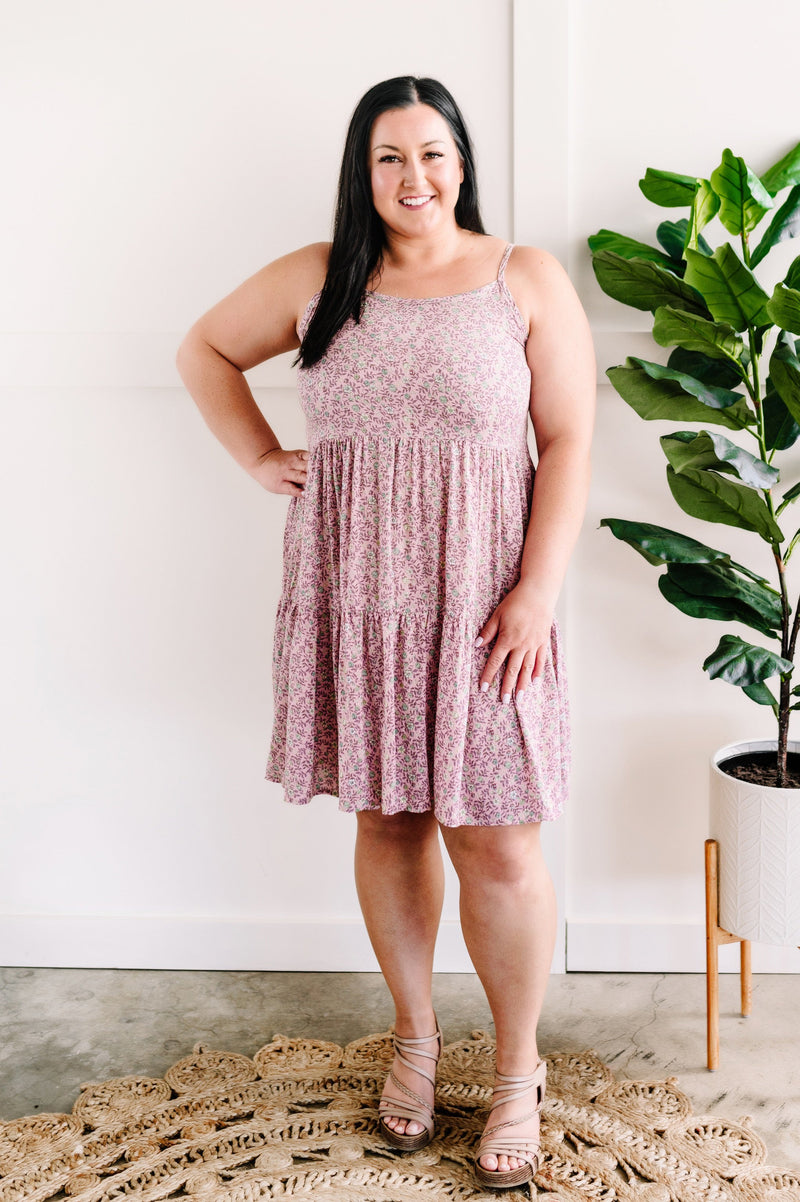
(394, 558)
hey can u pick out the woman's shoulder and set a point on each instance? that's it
(536, 279)
(533, 262)
(296, 277)
(306, 267)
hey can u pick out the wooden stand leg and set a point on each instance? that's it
(715, 936)
(712, 961)
(747, 977)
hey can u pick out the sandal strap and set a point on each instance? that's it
(511, 1089)
(398, 1109)
(416, 1108)
(411, 1046)
(523, 1149)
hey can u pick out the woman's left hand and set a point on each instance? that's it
(521, 624)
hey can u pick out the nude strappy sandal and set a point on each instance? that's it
(415, 1109)
(524, 1148)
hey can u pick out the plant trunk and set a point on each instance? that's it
(783, 728)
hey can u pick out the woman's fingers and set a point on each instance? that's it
(296, 472)
(521, 630)
(520, 669)
(488, 631)
(283, 471)
(510, 675)
(522, 666)
(524, 678)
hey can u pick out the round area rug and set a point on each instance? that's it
(298, 1120)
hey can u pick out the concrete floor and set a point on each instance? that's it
(62, 1027)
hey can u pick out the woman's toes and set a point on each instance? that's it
(490, 1163)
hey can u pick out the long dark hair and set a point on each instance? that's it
(358, 237)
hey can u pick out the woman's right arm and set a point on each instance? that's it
(253, 323)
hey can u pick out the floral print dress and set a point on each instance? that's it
(408, 534)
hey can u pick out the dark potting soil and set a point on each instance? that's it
(761, 768)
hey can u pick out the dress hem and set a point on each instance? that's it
(349, 808)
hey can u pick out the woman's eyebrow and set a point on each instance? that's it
(386, 146)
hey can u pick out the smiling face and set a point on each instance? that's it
(414, 169)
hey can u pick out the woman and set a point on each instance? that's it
(417, 669)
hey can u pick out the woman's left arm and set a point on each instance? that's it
(563, 384)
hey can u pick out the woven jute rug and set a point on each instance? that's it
(298, 1120)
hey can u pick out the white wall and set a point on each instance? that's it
(667, 86)
(159, 154)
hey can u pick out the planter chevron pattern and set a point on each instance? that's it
(758, 831)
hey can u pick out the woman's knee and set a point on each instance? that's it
(405, 828)
(504, 855)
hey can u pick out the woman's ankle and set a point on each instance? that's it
(418, 1024)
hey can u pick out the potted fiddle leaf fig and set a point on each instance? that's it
(730, 388)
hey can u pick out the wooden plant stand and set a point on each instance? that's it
(715, 936)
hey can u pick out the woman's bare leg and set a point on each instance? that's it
(508, 917)
(400, 884)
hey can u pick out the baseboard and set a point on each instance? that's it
(154, 941)
(261, 945)
(661, 947)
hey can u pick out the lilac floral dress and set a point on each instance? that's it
(407, 536)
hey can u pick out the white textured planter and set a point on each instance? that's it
(758, 831)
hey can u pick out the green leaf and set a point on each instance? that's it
(658, 545)
(713, 591)
(720, 372)
(713, 498)
(672, 236)
(784, 308)
(675, 328)
(668, 189)
(784, 375)
(709, 394)
(786, 171)
(643, 284)
(730, 290)
(705, 206)
(744, 199)
(790, 495)
(628, 248)
(761, 695)
(792, 277)
(657, 393)
(781, 431)
(714, 452)
(743, 663)
(785, 224)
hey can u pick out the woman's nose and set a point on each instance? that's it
(413, 172)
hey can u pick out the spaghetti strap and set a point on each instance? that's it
(501, 271)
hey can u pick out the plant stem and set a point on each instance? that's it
(785, 607)
(783, 727)
(788, 638)
(793, 637)
(791, 547)
(789, 631)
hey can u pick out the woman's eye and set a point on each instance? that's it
(393, 158)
